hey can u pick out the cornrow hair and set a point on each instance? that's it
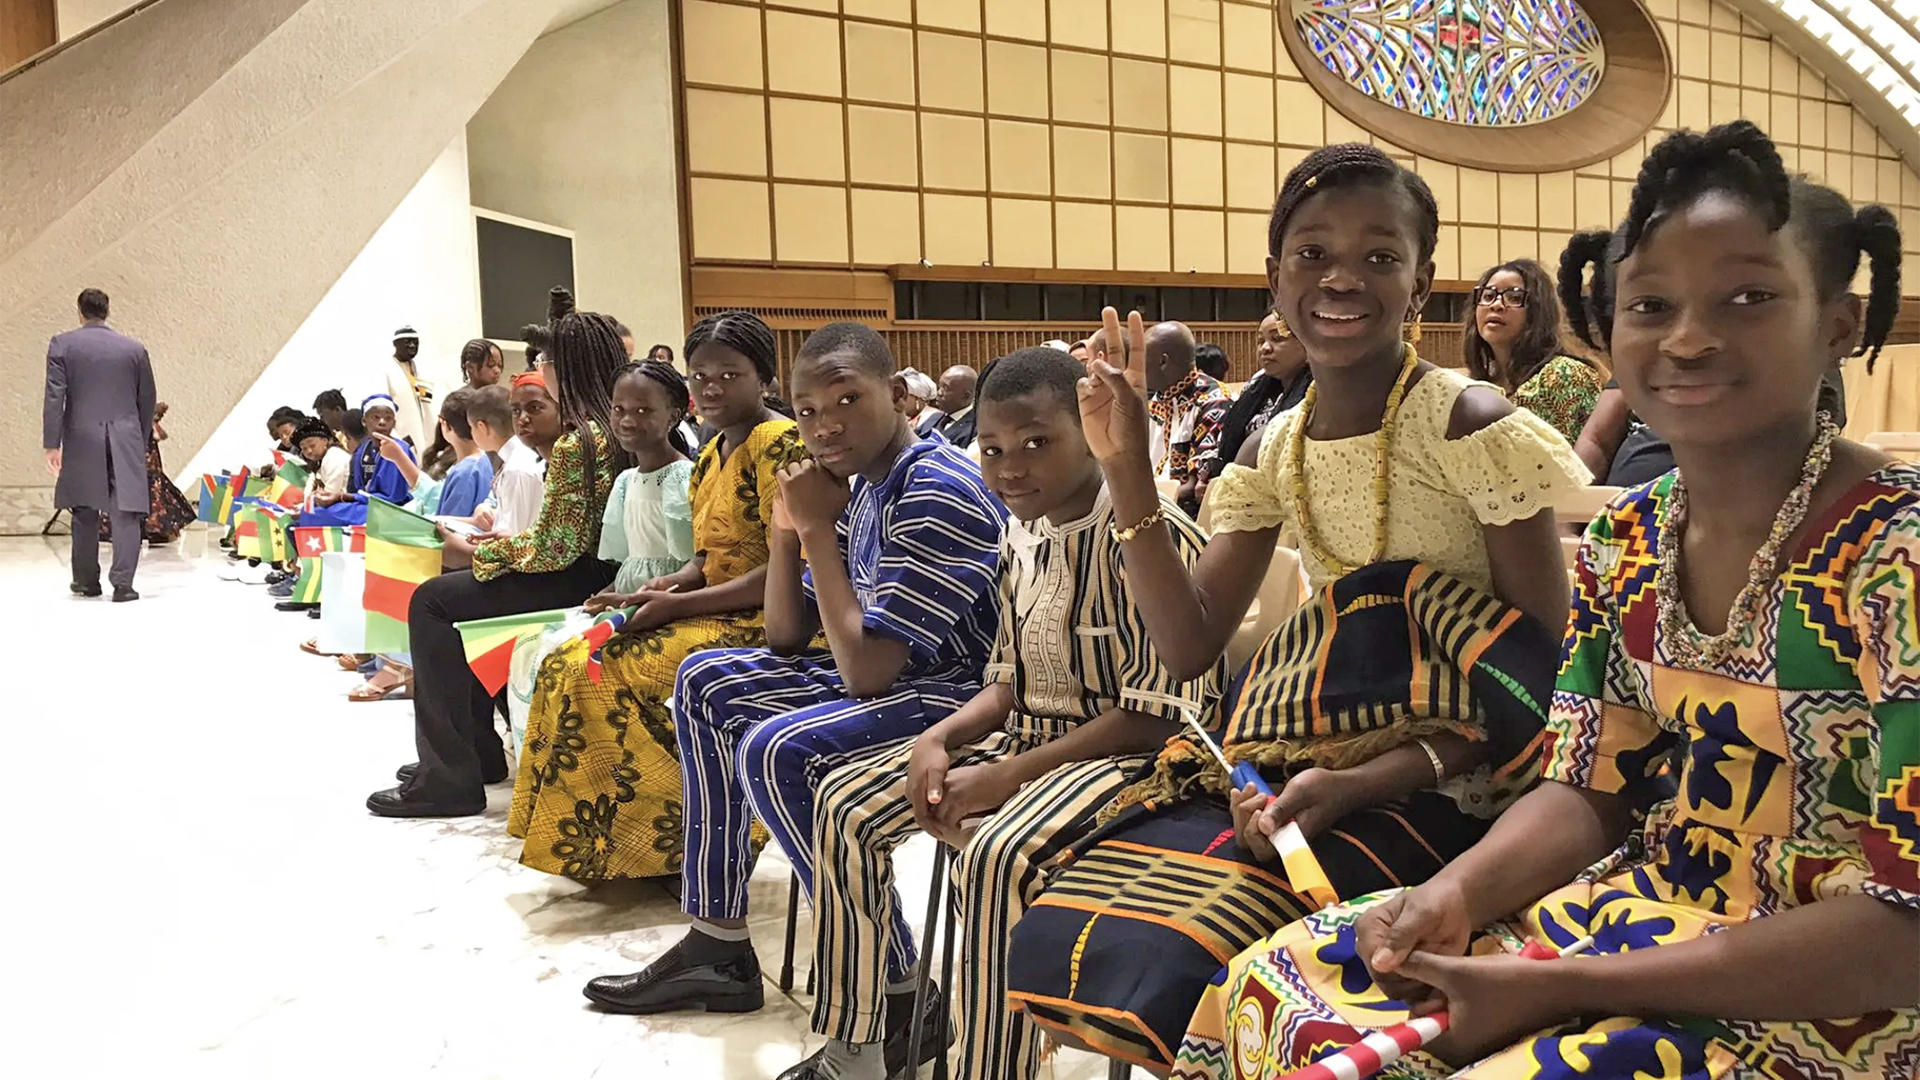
(586, 355)
(474, 354)
(746, 334)
(1345, 164)
(1739, 159)
(675, 385)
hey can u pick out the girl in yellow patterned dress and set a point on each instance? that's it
(1750, 618)
(598, 791)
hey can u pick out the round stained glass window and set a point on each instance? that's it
(1482, 63)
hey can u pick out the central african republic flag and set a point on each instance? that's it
(309, 544)
(489, 643)
(403, 550)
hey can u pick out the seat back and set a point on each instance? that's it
(1901, 444)
(1279, 597)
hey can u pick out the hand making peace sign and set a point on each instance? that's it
(1113, 401)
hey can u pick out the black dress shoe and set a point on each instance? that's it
(391, 803)
(121, 596)
(900, 1032)
(290, 605)
(675, 982)
(79, 589)
(405, 772)
(314, 612)
(813, 1068)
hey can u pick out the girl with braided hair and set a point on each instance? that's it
(1392, 714)
(553, 564)
(1747, 618)
(604, 802)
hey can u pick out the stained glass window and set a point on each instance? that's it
(1483, 63)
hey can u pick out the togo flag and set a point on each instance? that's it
(403, 550)
(310, 543)
(489, 643)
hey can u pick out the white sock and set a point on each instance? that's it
(720, 933)
(843, 1060)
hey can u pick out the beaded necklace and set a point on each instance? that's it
(1383, 446)
(1685, 644)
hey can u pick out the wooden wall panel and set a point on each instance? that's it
(26, 28)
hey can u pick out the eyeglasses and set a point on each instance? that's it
(1514, 295)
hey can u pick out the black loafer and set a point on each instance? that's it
(811, 1069)
(289, 605)
(900, 1035)
(391, 803)
(121, 596)
(672, 983)
(78, 589)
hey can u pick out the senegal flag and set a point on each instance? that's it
(403, 550)
(489, 643)
(310, 543)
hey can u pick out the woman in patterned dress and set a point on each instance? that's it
(598, 791)
(1513, 341)
(1761, 920)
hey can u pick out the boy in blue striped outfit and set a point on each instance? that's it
(899, 575)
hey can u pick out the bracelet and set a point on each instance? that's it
(1439, 770)
(1121, 536)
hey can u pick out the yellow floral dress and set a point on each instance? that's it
(597, 795)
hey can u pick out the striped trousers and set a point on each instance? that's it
(863, 814)
(757, 733)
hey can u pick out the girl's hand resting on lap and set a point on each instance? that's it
(1314, 798)
(1491, 1001)
(1430, 919)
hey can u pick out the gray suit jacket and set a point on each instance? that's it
(100, 400)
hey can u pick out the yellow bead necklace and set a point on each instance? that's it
(1383, 446)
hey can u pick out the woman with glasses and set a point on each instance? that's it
(1513, 342)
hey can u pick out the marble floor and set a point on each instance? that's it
(197, 890)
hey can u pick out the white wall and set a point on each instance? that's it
(77, 16)
(420, 269)
(580, 135)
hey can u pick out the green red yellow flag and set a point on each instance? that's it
(310, 543)
(489, 643)
(260, 532)
(289, 486)
(403, 550)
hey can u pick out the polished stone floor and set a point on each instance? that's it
(196, 889)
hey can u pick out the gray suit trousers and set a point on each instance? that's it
(127, 527)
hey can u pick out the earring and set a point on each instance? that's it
(1413, 330)
(1280, 326)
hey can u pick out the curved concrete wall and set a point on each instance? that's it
(222, 230)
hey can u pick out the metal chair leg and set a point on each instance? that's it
(1119, 1070)
(944, 1032)
(925, 974)
(793, 933)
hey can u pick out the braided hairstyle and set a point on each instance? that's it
(675, 385)
(473, 356)
(587, 356)
(1739, 159)
(1352, 164)
(746, 334)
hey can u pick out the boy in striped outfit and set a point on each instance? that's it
(898, 574)
(1075, 700)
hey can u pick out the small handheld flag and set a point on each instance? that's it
(1304, 872)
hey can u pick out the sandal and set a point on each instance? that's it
(349, 662)
(311, 647)
(366, 692)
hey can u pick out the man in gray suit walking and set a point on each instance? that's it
(100, 400)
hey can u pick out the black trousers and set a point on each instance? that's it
(452, 713)
(127, 525)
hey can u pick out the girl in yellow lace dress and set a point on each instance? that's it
(597, 796)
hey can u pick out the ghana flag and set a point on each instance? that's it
(310, 543)
(403, 550)
(489, 643)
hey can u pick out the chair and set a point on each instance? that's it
(1901, 444)
(793, 933)
(1168, 488)
(925, 974)
(1275, 603)
(1573, 511)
